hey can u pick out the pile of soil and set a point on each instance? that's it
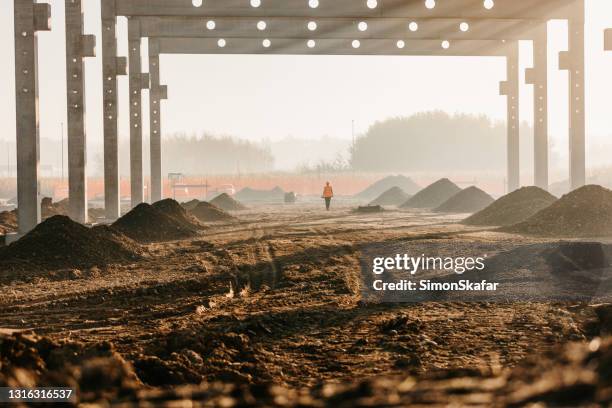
(60, 243)
(190, 205)
(227, 203)
(8, 222)
(513, 208)
(145, 223)
(393, 196)
(433, 195)
(369, 209)
(469, 200)
(173, 209)
(206, 212)
(585, 212)
(249, 195)
(378, 188)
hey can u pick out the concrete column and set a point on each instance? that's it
(510, 88)
(136, 83)
(111, 67)
(29, 18)
(78, 46)
(538, 77)
(575, 65)
(155, 121)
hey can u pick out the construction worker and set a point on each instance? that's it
(328, 193)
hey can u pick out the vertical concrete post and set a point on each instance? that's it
(538, 77)
(78, 46)
(155, 122)
(135, 75)
(111, 67)
(510, 88)
(29, 18)
(575, 66)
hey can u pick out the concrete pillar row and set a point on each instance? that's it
(112, 66)
(78, 47)
(29, 18)
(156, 94)
(538, 77)
(510, 89)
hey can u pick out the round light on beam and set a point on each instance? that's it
(313, 3)
(221, 43)
(413, 26)
(312, 25)
(362, 26)
(489, 4)
(210, 24)
(356, 43)
(430, 4)
(255, 3)
(372, 4)
(196, 3)
(311, 44)
(261, 25)
(266, 43)
(401, 44)
(445, 44)
(464, 27)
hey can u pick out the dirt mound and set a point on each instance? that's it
(393, 196)
(145, 223)
(513, 208)
(227, 203)
(60, 243)
(206, 212)
(190, 205)
(248, 194)
(369, 209)
(585, 212)
(469, 200)
(8, 222)
(378, 188)
(433, 195)
(173, 209)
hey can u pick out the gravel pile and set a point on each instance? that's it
(469, 200)
(513, 208)
(434, 195)
(227, 203)
(173, 209)
(60, 243)
(393, 196)
(376, 189)
(585, 212)
(206, 212)
(145, 223)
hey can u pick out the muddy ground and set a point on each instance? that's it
(276, 297)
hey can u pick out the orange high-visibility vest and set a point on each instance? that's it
(328, 192)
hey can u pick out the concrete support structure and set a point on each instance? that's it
(29, 18)
(538, 77)
(157, 93)
(112, 66)
(138, 81)
(573, 61)
(510, 88)
(78, 46)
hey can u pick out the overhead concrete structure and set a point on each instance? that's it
(30, 18)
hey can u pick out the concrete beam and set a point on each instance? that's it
(78, 46)
(527, 9)
(112, 66)
(136, 86)
(28, 19)
(539, 80)
(331, 47)
(340, 28)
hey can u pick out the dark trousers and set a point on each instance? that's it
(327, 203)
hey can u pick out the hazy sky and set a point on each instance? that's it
(256, 97)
